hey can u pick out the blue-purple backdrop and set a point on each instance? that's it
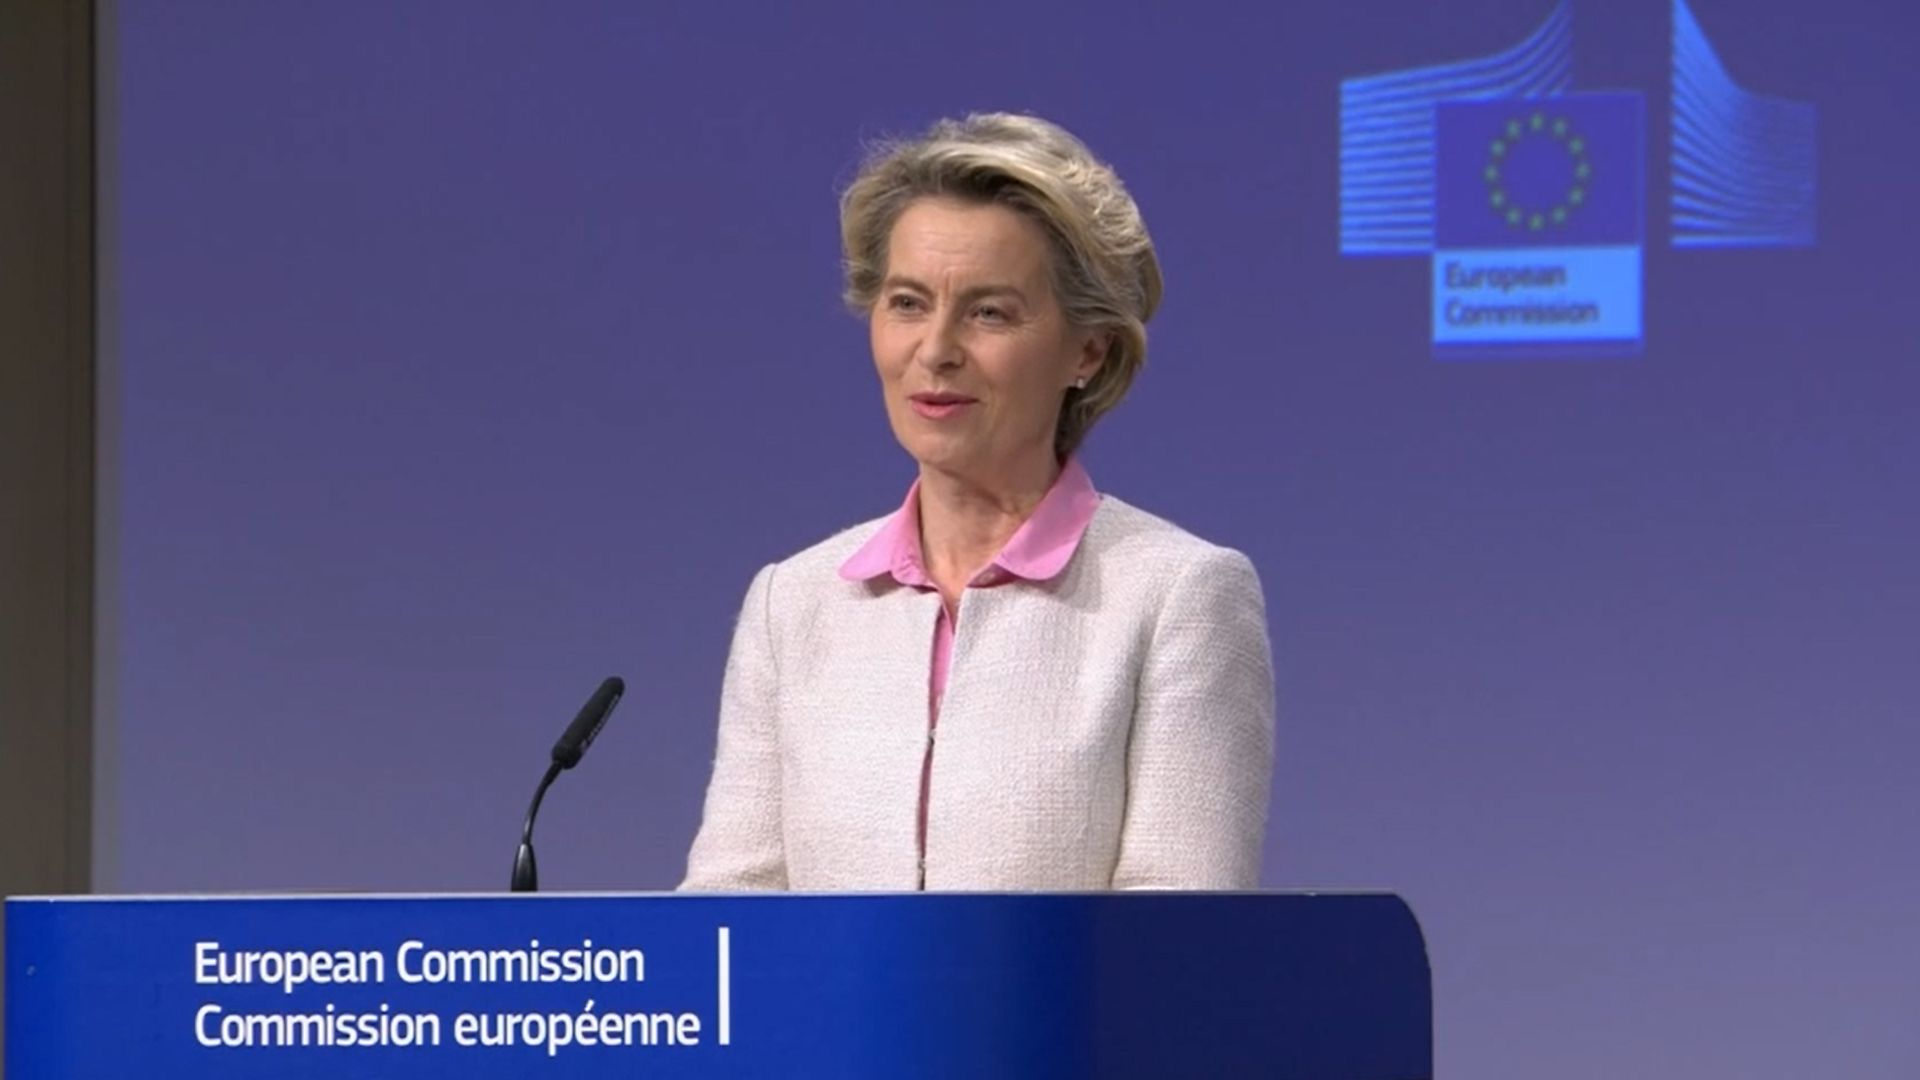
(461, 354)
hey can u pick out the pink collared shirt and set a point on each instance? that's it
(1037, 551)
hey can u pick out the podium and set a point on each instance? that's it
(1272, 985)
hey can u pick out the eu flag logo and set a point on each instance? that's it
(1557, 171)
(1539, 224)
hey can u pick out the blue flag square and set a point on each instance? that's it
(1565, 171)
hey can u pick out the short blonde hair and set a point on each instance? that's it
(1105, 274)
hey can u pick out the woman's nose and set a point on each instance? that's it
(939, 348)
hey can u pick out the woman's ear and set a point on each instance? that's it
(1093, 354)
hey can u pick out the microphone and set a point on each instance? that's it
(567, 752)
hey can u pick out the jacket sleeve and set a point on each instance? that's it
(1200, 755)
(740, 845)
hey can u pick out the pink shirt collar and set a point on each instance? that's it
(1038, 550)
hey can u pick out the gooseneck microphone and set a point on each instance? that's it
(566, 754)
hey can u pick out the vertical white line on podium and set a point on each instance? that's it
(726, 986)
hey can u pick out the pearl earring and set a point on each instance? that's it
(1080, 383)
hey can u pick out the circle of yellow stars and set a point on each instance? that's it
(1537, 126)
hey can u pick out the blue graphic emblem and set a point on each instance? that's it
(1529, 198)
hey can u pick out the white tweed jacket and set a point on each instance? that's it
(1109, 728)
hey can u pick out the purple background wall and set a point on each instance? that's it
(466, 353)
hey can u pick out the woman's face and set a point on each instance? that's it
(973, 351)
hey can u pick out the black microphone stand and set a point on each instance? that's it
(526, 875)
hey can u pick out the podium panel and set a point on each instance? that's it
(1272, 985)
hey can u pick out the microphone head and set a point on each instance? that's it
(593, 716)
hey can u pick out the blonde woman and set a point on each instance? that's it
(1013, 681)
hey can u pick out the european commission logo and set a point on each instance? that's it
(1529, 197)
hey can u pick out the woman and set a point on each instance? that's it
(1012, 682)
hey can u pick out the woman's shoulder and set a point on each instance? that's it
(1173, 577)
(822, 560)
(1125, 535)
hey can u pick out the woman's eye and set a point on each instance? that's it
(992, 314)
(903, 302)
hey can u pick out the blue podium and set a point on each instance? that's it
(1274, 985)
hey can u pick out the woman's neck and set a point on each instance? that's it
(964, 521)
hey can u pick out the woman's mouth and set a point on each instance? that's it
(941, 406)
